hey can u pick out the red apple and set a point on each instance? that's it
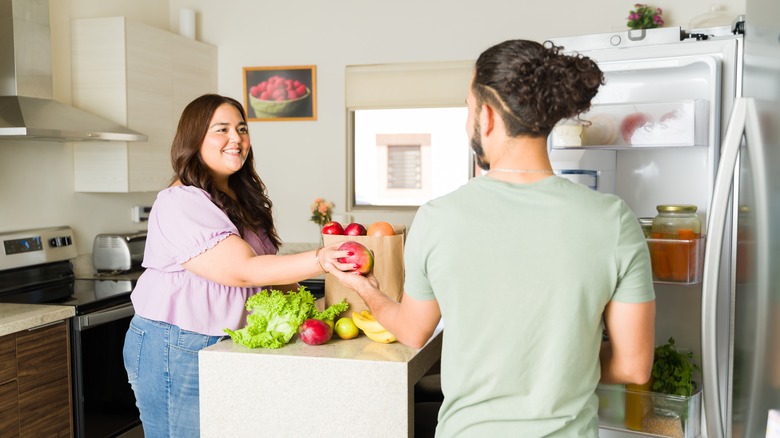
(361, 256)
(631, 123)
(315, 332)
(355, 229)
(333, 228)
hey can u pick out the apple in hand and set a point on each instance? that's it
(631, 123)
(361, 256)
(355, 229)
(333, 228)
(315, 332)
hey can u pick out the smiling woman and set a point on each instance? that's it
(211, 244)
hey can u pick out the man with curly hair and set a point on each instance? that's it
(546, 266)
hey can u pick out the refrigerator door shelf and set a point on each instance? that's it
(651, 124)
(657, 414)
(677, 261)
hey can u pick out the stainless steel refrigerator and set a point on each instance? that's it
(692, 116)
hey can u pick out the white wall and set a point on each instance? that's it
(298, 161)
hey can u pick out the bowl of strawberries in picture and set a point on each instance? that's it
(278, 96)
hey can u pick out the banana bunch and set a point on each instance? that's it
(365, 321)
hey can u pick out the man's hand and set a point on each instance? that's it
(363, 285)
(411, 321)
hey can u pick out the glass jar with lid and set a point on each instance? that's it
(676, 222)
(674, 247)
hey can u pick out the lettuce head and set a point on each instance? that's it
(275, 317)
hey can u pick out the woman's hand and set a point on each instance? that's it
(327, 258)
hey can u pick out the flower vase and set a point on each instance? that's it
(320, 239)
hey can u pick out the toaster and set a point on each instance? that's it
(118, 251)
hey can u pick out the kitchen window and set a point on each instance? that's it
(406, 133)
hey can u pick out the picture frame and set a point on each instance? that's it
(269, 98)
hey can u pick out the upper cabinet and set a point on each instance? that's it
(142, 77)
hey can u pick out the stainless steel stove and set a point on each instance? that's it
(36, 268)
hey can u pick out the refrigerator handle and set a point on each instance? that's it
(761, 201)
(715, 230)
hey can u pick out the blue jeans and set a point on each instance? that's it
(162, 367)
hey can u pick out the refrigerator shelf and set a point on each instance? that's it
(677, 261)
(649, 413)
(636, 125)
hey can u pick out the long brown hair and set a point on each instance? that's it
(252, 208)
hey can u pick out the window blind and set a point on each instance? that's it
(428, 84)
(404, 167)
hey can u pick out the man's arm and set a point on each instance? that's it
(411, 321)
(628, 355)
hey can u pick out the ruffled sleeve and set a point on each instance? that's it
(183, 223)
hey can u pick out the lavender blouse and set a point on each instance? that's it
(184, 223)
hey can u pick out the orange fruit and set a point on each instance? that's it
(380, 228)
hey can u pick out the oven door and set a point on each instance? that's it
(104, 404)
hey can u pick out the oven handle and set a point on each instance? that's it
(95, 319)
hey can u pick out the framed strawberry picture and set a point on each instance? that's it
(280, 93)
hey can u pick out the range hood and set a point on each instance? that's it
(27, 108)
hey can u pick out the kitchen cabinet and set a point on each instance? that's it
(9, 411)
(142, 77)
(35, 385)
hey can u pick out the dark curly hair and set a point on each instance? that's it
(534, 86)
(253, 209)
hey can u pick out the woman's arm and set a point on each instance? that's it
(233, 262)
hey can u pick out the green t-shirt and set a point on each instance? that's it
(522, 273)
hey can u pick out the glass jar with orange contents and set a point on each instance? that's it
(674, 248)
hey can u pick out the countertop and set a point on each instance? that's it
(18, 317)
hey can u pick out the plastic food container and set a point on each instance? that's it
(662, 414)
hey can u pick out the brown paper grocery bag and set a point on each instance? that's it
(388, 269)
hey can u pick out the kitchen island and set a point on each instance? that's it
(354, 387)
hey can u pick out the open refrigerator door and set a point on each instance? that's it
(653, 137)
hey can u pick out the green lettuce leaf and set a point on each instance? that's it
(275, 317)
(331, 312)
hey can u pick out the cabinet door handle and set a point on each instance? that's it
(48, 324)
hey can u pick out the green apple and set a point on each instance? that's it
(346, 329)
